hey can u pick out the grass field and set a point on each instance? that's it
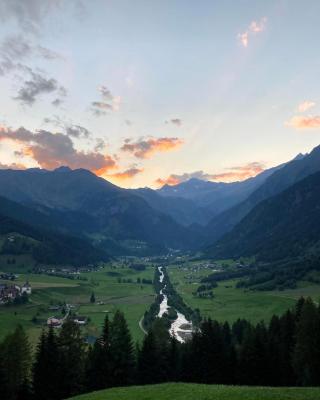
(181, 391)
(131, 298)
(230, 303)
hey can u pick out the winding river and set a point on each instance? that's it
(181, 328)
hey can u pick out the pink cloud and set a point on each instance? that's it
(306, 105)
(254, 28)
(304, 122)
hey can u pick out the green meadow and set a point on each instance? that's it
(230, 303)
(131, 297)
(184, 391)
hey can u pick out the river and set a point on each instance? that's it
(181, 328)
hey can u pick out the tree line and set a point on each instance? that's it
(286, 352)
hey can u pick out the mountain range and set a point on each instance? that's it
(191, 216)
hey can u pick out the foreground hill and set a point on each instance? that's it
(283, 226)
(183, 391)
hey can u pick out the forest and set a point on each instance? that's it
(284, 352)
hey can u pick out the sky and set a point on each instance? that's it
(149, 92)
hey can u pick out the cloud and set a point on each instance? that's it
(29, 14)
(239, 173)
(69, 128)
(16, 47)
(236, 173)
(100, 145)
(306, 105)
(108, 103)
(14, 50)
(12, 166)
(254, 28)
(36, 86)
(127, 174)
(145, 148)
(304, 122)
(105, 93)
(175, 121)
(52, 150)
(174, 179)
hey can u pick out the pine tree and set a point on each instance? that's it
(46, 383)
(71, 368)
(92, 298)
(148, 366)
(287, 343)
(16, 363)
(98, 361)
(121, 352)
(306, 358)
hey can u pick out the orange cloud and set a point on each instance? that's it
(145, 148)
(306, 105)
(254, 28)
(127, 174)
(302, 122)
(12, 166)
(53, 150)
(233, 174)
(239, 173)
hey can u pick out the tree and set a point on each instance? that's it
(148, 371)
(15, 362)
(121, 351)
(46, 383)
(306, 358)
(98, 361)
(92, 298)
(71, 360)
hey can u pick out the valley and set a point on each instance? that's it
(115, 286)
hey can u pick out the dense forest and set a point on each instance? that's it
(285, 352)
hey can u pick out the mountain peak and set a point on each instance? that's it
(63, 168)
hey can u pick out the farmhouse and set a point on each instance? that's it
(26, 288)
(55, 322)
(80, 320)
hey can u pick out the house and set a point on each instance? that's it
(80, 320)
(55, 322)
(8, 293)
(26, 288)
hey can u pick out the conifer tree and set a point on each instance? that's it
(46, 383)
(148, 370)
(16, 363)
(98, 361)
(71, 349)
(121, 352)
(306, 358)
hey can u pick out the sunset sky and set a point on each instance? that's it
(145, 92)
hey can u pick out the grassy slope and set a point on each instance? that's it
(181, 391)
(132, 298)
(230, 303)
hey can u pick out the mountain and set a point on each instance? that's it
(183, 210)
(43, 245)
(283, 226)
(212, 198)
(115, 219)
(289, 174)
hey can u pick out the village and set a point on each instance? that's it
(14, 293)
